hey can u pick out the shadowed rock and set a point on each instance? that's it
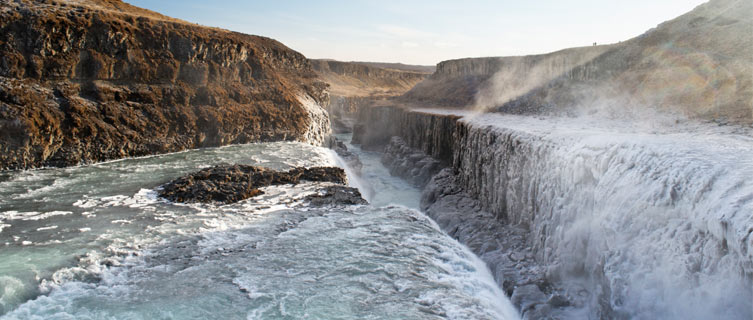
(351, 159)
(233, 183)
(336, 195)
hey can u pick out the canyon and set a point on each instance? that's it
(355, 85)
(696, 66)
(602, 182)
(599, 182)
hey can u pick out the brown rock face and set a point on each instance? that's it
(97, 80)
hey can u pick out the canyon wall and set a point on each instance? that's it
(597, 188)
(696, 66)
(354, 79)
(90, 81)
(355, 85)
(424, 131)
(484, 83)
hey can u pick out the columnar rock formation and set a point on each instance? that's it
(609, 215)
(574, 225)
(90, 80)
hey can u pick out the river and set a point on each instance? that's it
(95, 242)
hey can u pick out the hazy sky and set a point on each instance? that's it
(426, 32)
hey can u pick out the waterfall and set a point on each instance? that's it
(650, 224)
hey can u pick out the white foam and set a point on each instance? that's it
(86, 203)
(32, 215)
(57, 184)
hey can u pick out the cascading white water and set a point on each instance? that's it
(645, 223)
(95, 242)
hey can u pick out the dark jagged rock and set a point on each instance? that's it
(233, 183)
(87, 81)
(428, 132)
(408, 163)
(351, 159)
(336, 195)
(504, 247)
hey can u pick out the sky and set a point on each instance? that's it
(427, 32)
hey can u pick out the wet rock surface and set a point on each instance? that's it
(336, 195)
(430, 133)
(351, 159)
(233, 183)
(504, 247)
(408, 163)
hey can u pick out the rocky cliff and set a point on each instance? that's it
(697, 66)
(481, 83)
(357, 84)
(88, 81)
(594, 217)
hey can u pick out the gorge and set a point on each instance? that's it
(155, 168)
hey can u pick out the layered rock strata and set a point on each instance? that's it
(90, 81)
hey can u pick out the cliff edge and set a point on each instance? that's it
(86, 81)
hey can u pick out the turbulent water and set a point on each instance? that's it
(636, 220)
(95, 242)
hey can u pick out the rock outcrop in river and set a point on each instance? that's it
(90, 80)
(233, 183)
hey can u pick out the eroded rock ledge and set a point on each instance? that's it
(233, 183)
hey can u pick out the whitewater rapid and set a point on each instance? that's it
(95, 242)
